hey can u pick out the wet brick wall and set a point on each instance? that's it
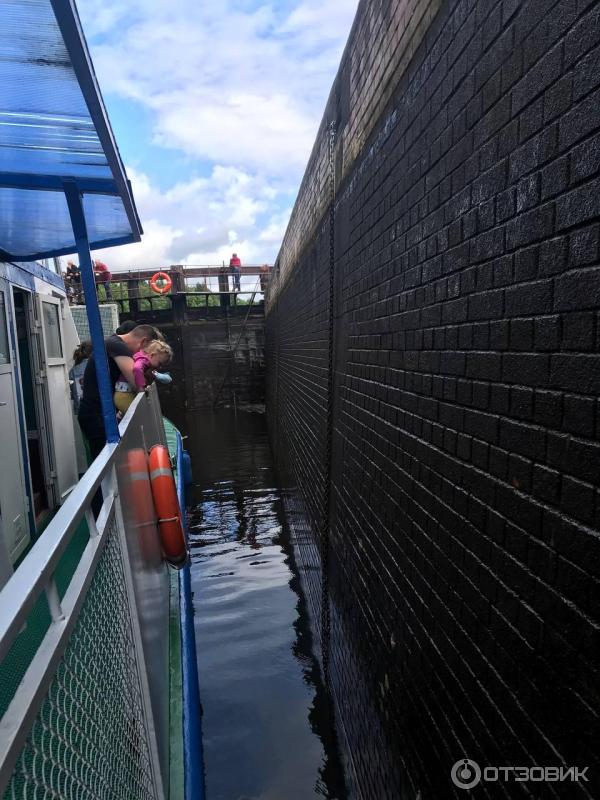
(464, 547)
(217, 358)
(298, 367)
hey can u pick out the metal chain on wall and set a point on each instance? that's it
(326, 510)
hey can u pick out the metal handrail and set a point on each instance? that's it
(22, 711)
(35, 575)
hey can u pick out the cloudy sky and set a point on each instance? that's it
(215, 105)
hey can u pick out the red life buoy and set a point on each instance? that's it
(137, 474)
(139, 512)
(166, 503)
(161, 282)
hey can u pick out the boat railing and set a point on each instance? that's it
(84, 639)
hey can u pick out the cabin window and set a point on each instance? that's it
(4, 346)
(52, 330)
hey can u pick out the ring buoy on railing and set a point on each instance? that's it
(164, 494)
(161, 282)
(139, 512)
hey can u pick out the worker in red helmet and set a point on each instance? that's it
(103, 275)
(235, 269)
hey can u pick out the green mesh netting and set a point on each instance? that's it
(89, 739)
(18, 658)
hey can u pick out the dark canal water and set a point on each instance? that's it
(267, 730)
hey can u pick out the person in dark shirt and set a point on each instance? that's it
(120, 350)
(80, 359)
(73, 282)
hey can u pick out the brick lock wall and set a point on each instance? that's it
(464, 527)
(203, 360)
(297, 355)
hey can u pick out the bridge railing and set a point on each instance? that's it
(131, 289)
(192, 288)
(84, 689)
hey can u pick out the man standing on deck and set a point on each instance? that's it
(234, 266)
(103, 275)
(120, 350)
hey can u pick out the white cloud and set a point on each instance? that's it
(202, 221)
(238, 88)
(323, 19)
(272, 234)
(247, 129)
(152, 251)
(243, 88)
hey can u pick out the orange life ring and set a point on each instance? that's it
(161, 282)
(166, 503)
(139, 509)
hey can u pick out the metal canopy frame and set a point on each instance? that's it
(71, 182)
(60, 143)
(74, 201)
(70, 26)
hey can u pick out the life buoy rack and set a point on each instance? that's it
(164, 494)
(161, 282)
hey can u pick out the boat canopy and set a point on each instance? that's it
(55, 137)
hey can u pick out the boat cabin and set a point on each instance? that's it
(39, 461)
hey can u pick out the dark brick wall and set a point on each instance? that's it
(465, 517)
(203, 362)
(298, 364)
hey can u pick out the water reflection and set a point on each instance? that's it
(267, 728)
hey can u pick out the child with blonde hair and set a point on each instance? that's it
(153, 359)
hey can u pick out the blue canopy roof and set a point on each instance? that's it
(54, 130)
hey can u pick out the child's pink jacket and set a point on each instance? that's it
(141, 363)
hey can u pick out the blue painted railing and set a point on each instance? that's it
(193, 754)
